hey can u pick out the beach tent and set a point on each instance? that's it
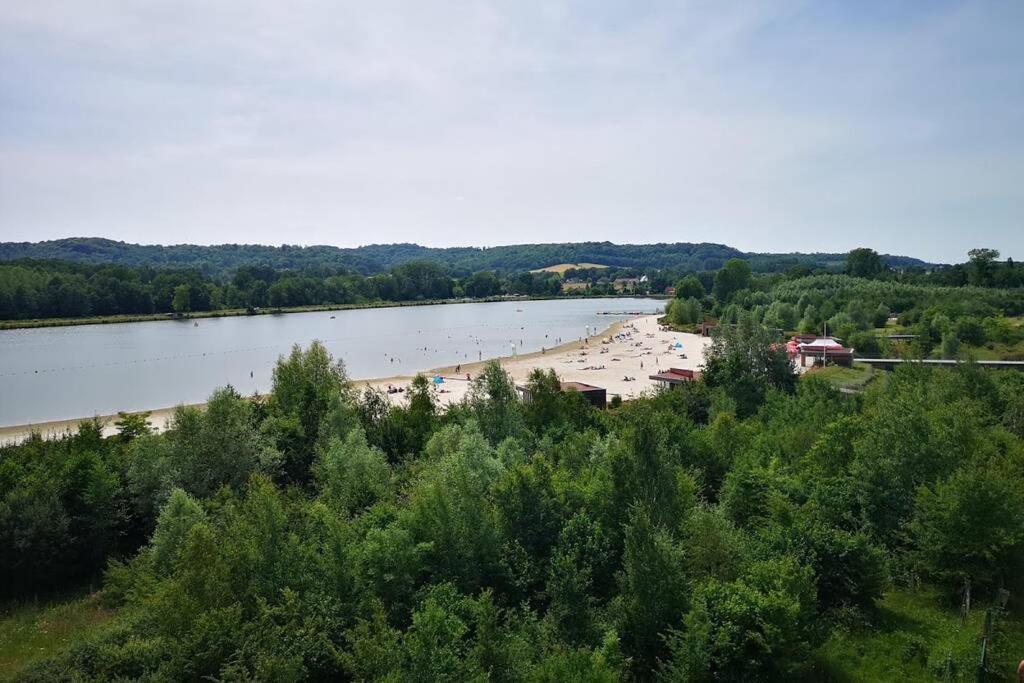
(678, 345)
(438, 379)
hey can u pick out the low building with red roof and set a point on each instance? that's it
(673, 377)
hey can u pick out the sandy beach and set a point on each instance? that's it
(620, 359)
(633, 349)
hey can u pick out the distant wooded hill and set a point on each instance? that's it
(375, 258)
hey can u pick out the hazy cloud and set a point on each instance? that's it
(812, 126)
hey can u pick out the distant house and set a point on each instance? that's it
(670, 291)
(575, 286)
(674, 377)
(625, 284)
(706, 328)
(596, 396)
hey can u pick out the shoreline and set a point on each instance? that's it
(159, 417)
(53, 428)
(37, 323)
(629, 356)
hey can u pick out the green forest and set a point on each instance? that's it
(973, 309)
(224, 259)
(80, 290)
(750, 526)
(62, 289)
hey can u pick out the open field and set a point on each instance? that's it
(560, 268)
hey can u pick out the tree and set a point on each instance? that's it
(179, 515)
(220, 446)
(980, 266)
(130, 426)
(544, 407)
(881, 316)
(181, 302)
(653, 591)
(970, 331)
(578, 577)
(494, 403)
(421, 413)
(864, 262)
(754, 629)
(201, 452)
(690, 287)
(482, 284)
(306, 385)
(970, 528)
(781, 315)
(746, 362)
(950, 345)
(449, 510)
(851, 571)
(745, 496)
(352, 475)
(733, 276)
(684, 311)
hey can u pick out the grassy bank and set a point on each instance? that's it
(854, 378)
(913, 637)
(233, 312)
(32, 631)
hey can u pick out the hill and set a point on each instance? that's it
(375, 258)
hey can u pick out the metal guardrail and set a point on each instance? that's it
(893, 362)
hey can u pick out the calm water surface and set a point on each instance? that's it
(69, 372)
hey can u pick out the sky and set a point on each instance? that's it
(767, 126)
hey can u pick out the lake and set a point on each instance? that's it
(62, 373)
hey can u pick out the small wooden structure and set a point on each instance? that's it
(820, 350)
(596, 396)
